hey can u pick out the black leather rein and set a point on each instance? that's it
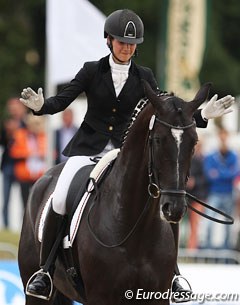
(230, 220)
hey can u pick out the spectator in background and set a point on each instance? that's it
(14, 119)
(197, 186)
(236, 227)
(64, 134)
(221, 169)
(29, 150)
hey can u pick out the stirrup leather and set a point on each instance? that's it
(41, 271)
(181, 298)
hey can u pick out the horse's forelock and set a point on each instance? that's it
(170, 104)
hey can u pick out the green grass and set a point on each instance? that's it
(8, 244)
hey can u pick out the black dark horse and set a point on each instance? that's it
(136, 212)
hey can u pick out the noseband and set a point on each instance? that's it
(153, 189)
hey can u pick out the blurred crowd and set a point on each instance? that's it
(214, 176)
(214, 179)
(23, 141)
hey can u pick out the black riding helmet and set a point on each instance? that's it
(125, 26)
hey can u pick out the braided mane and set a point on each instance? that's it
(139, 107)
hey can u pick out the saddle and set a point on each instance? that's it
(85, 181)
(82, 185)
(77, 189)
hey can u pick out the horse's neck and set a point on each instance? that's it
(130, 175)
(133, 166)
(124, 193)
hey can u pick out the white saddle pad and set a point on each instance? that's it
(95, 175)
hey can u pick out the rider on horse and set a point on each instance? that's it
(113, 88)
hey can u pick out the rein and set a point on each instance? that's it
(230, 220)
(99, 241)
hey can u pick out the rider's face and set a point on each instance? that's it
(123, 51)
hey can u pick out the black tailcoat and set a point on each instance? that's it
(107, 115)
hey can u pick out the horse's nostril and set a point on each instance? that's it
(166, 208)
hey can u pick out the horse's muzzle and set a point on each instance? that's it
(173, 207)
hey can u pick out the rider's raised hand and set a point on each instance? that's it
(31, 99)
(216, 108)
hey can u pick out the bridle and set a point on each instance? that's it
(155, 191)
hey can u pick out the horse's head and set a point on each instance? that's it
(172, 139)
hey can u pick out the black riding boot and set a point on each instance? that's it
(179, 294)
(40, 284)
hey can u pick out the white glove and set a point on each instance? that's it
(216, 108)
(31, 99)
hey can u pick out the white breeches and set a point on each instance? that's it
(71, 167)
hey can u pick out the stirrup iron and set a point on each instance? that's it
(41, 271)
(181, 298)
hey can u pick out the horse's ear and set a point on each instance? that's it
(201, 96)
(150, 93)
